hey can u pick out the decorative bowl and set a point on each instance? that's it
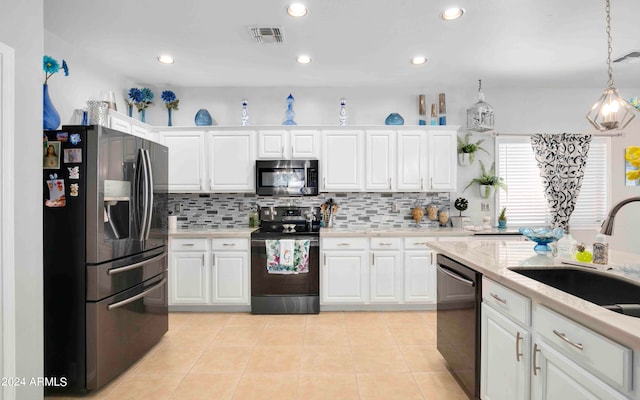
(542, 237)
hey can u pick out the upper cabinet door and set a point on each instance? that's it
(342, 161)
(380, 161)
(442, 160)
(231, 161)
(187, 171)
(412, 163)
(273, 145)
(305, 144)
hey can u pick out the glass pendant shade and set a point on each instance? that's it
(480, 115)
(611, 111)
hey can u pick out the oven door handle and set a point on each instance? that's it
(136, 297)
(455, 276)
(312, 242)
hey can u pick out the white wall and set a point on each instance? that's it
(21, 25)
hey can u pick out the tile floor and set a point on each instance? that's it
(332, 355)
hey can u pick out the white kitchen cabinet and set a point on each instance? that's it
(344, 277)
(288, 144)
(126, 124)
(557, 377)
(412, 161)
(342, 161)
(187, 160)
(442, 155)
(419, 276)
(231, 161)
(119, 122)
(230, 277)
(380, 161)
(188, 277)
(385, 274)
(505, 357)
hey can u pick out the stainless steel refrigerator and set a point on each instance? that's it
(105, 253)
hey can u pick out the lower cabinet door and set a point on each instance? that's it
(386, 277)
(230, 277)
(188, 278)
(419, 277)
(505, 356)
(557, 377)
(344, 277)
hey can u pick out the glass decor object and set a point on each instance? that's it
(289, 114)
(422, 110)
(480, 115)
(610, 111)
(342, 117)
(442, 110)
(434, 115)
(542, 237)
(203, 118)
(244, 114)
(394, 119)
(50, 116)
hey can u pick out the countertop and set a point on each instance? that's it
(392, 232)
(212, 233)
(492, 258)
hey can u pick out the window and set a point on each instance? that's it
(525, 200)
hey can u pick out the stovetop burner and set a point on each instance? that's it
(289, 221)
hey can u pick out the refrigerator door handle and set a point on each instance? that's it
(141, 193)
(136, 297)
(136, 265)
(149, 182)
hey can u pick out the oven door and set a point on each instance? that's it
(284, 294)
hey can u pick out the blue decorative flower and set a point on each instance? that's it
(170, 100)
(141, 97)
(147, 95)
(51, 66)
(135, 95)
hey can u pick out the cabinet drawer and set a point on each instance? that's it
(186, 244)
(418, 243)
(386, 243)
(609, 360)
(231, 244)
(454, 238)
(345, 243)
(507, 301)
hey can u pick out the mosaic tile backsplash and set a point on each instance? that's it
(372, 210)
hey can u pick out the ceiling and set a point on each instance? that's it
(522, 43)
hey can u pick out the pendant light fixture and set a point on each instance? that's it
(480, 115)
(610, 111)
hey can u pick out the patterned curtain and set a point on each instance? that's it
(561, 159)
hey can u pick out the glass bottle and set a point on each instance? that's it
(244, 115)
(434, 115)
(442, 116)
(566, 245)
(342, 119)
(289, 114)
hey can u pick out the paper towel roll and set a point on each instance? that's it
(173, 222)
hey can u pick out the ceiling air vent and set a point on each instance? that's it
(631, 58)
(267, 35)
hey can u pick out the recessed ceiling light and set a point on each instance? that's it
(297, 10)
(452, 13)
(165, 59)
(303, 59)
(418, 60)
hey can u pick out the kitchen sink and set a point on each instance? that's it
(614, 293)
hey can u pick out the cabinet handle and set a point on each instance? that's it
(187, 244)
(291, 151)
(500, 299)
(535, 359)
(373, 259)
(431, 254)
(228, 244)
(562, 336)
(325, 259)
(213, 259)
(421, 183)
(344, 244)
(518, 339)
(385, 244)
(419, 243)
(282, 151)
(211, 183)
(203, 261)
(324, 182)
(431, 183)
(389, 183)
(201, 184)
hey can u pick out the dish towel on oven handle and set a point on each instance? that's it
(300, 257)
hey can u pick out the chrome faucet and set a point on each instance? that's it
(607, 225)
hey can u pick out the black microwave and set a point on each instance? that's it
(287, 177)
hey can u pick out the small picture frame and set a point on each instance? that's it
(73, 156)
(51, 156)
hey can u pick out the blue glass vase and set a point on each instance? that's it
(203, 118)
(143, 116)
(394, 119)
(169, 115)
(50, 117)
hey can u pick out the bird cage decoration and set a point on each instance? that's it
(480, 115)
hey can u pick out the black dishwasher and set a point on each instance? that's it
(459, 296)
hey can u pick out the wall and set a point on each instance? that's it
(373, 210)
(21, 28)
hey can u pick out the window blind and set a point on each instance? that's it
(525, 200)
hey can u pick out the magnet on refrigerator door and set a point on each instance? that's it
(74, 172)
(73, 189)
(62, 136)
(75, 139)
(72, 155)
(56, 192)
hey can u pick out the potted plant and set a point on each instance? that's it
(461, 204)
(467, 149)
(487, 180)
(502, 218)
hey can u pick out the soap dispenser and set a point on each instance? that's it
(600, 250)
(566, 246)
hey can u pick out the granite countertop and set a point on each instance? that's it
(492, 259)
(392, 232)
(212, 233)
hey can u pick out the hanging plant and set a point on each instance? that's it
(487, 180)
(468, 148)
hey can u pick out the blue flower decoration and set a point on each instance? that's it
(135, 95)
(168, 96)
(147, 95)
(65, 67)
(50, 65)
